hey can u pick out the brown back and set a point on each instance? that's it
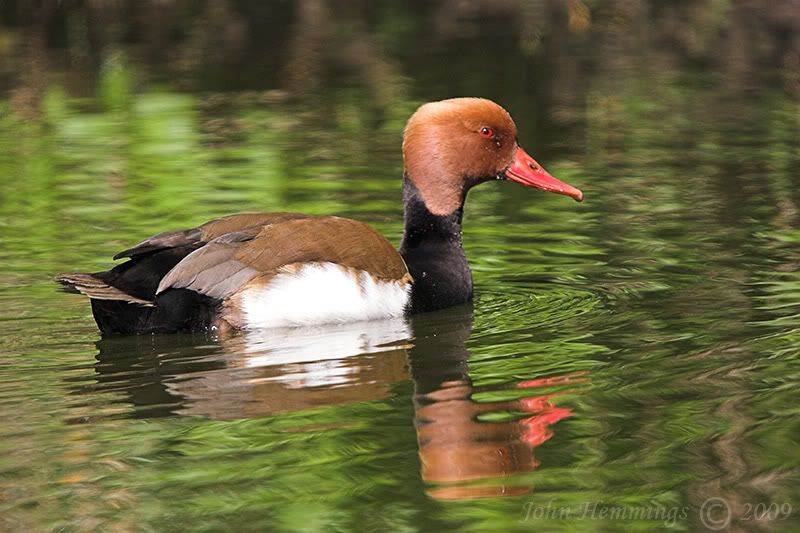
(207, 232)
(343, 241)
(228, 224)
(224, 265)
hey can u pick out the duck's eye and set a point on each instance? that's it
(487, 132)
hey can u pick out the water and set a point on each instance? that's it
(626, 359)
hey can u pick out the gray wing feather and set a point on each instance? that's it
(212, 270)
(96, 288)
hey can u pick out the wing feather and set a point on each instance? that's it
(223, 266)
(206, 232)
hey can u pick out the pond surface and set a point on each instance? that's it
(626, 359)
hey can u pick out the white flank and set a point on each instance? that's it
(322, 293)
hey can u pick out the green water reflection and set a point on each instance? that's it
(638, 350)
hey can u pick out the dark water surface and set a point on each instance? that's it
(626, 360)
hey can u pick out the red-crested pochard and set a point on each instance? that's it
(257, 270)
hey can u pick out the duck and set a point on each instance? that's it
(285, 269)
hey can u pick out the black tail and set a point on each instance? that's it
(124, 298)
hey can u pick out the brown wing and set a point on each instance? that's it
(223, 266)
(206, 233)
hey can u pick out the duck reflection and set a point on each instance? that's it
(286, 370)
(456, 446)
(254, 374)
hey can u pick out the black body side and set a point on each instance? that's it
(175, 310)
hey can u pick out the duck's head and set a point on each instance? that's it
(452, 145)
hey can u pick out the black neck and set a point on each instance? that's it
(432, 250)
